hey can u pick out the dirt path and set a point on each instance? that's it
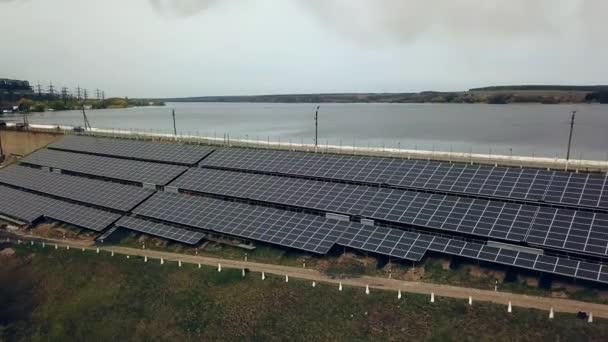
(517, 300)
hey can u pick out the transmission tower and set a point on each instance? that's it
(97, 93)
(78, 93)
(64, 94)
(39, 89)
(85, 94)
(51, 89)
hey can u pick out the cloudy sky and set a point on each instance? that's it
(165, 48)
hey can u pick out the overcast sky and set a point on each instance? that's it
(166, 48)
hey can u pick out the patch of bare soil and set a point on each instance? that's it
(7, 252)
(530, 281)
(481, 272)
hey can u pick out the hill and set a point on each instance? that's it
(549, 94)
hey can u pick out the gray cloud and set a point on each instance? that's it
(406, 20)
(182, 7)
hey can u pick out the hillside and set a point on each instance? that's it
(549, 94)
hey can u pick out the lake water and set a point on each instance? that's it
(527, 129)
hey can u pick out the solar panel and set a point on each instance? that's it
(29, 207)
(537, 262)
(105, 194)
(114, 168)
(161, 230)
(385, 241)
(134, 149)
(570, 229)
(565, 188)
(297, 230)
(450, 213)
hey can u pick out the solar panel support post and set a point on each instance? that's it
(570, 136)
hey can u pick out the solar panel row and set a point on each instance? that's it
(132, 149)
(114, 168)
(29, 207)
(385, 241)
(161, 230)
(280, 227)
(105, 194)
(537, 262)
(568, 229)
(413, 246)
(567, 188)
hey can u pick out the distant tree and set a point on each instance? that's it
(603, 97)
(58, 105)
(498, 99)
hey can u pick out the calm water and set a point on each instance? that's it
(540, 130)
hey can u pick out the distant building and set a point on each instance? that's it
(14, 88)
(11, 91)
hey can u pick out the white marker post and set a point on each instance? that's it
(243, 273)
(367, 289)
(432, 297)
(179, 263)
(56, 247)
(590, 319)
(286, 278)
(43, 245)
(162, 261)
(263, 276)
(128, 257)
(219, 267)
(145, 258)
(83, 249)
(97, 250)
(551, 314)
(112, 253)
(470, 300)
(199, 266)
(399, 294)
(314, 284)
(32, 243)
(340, 286)
(510, 308)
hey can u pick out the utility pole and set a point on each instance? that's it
(570, 137)
(85, 94)
(317, 128)
(174, 127)
(97, 93)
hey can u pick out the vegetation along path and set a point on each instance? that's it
(517, 300)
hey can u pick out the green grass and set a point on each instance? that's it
(433, 270)
(89, 297)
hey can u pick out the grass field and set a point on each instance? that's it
(60, 295)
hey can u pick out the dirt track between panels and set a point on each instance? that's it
(503, 298)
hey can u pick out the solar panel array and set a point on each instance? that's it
(487, 218)
(365, 187)
(114, 168)
(567, 188)
(29, 207)
(413, 246)
(537, 262)
(134, 149)
(161, 230)
(302, 231)
(105, 194)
